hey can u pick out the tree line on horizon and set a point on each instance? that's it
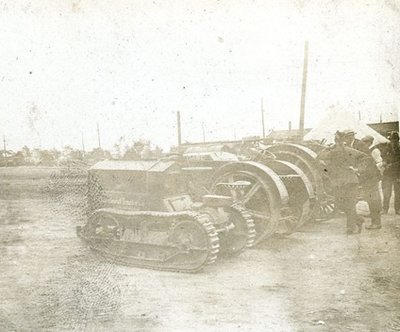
(139, 149)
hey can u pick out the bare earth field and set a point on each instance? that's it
(318, 279)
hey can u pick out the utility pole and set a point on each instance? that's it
(262, 118)
(5, 150)
(359, 115)
(234, 134)
(303, 90)
(178, 120)
(204, 132)
(83, 144)
(290, 126)
(98, 135)
(380, 118)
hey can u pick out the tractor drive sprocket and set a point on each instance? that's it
(249, 221)
(238, 232)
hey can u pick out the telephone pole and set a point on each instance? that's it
(204, 132)
(83, 144)
(178, 120)
(5, 150)
(262, 118)
(303, 90)
(98, 135)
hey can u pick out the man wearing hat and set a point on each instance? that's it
(349, 137)
(341, 165)
(370, 183)
(369, 178)
(375, 152)
(391, 174)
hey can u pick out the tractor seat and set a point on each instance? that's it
(237, 185)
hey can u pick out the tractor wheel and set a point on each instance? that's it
(259, 198)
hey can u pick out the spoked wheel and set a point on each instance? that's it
(302, 157)
(306, 159)
(301, 195)
(256, 198)
(327, 208)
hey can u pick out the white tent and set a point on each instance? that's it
(339, 119)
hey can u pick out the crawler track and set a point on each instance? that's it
(178, 250)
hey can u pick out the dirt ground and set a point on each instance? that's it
(318, 279)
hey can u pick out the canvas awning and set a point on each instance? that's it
(339, 119)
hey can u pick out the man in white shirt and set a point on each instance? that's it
(370, 181)
(375, 152)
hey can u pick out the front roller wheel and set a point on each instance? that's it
(104, 226)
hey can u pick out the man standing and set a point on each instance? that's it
(391, 174)
(340, 164)
(375, 153)
(349, 137)
(369, 180)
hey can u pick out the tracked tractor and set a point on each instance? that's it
(144, 213)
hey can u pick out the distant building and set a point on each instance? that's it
(291, 135)
(384, 128)
(287, 135)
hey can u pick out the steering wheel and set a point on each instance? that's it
(259, 154)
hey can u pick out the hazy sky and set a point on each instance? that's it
(130, 65)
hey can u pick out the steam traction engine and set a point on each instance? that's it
(144, 213)
(279, 197)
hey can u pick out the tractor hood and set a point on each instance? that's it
(156, 166)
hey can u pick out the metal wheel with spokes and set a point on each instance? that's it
(257, 198)
(306, 159)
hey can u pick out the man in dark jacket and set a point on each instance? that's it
(391, 174)
(349, 137)
(369, 180)
(340, 164)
